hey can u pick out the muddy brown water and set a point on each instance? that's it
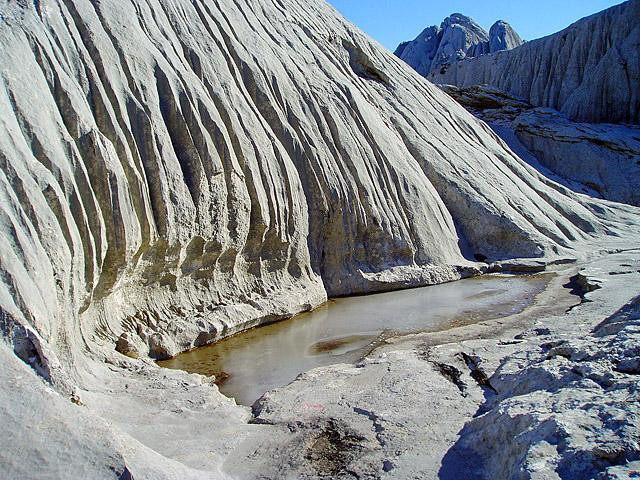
(342, 331)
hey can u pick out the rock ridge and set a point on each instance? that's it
(589, 71)
(458, 37)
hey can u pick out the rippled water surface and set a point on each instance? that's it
(253, 362)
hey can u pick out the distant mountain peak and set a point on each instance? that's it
(457, 37)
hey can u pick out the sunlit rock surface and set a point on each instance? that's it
(602, 160)
(458, 37)
(559, 400)
(589, 71)
(181, 170)
(175, 171)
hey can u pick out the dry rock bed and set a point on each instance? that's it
(552, 392)
(549, 393)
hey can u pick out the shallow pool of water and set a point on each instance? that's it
(343, 330)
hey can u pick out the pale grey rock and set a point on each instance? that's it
(602, 160)
(550, 402)
(585, 420)
(421, 52)
(589, 71)
(605, 158)
(53, 436)
(502, 36)
(176, 171)
(461, 36)
(458, 37)
(32, 411)
(180, 195)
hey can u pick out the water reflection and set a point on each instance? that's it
(343, 330)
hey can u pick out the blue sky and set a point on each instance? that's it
(392, 21)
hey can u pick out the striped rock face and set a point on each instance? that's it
(177, 171)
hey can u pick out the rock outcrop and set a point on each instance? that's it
(557, 400)
(590, 71)
(167, 185)
(601, 160)
(458, 37)
(175, 171)
(603, 157)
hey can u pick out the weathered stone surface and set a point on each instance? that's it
(458, 37)
(602, 160)
(571, 410)
(604, 157)
(176, 171)
(549, 402)
(161, 179)
(502, 36)
(590, 71)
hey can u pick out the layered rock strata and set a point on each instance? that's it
(176, 171)
(458, 37)
(589, 71)
(603, 157)
(601, 160)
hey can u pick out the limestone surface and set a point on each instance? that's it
(175, 171)
(604, 157)
(558, 400)
(458, 37)
(602, 160)
(589, 71)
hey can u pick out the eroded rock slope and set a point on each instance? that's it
(175, 171)
(589, 71)
(601, 160)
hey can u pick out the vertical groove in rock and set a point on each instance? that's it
(176, 171)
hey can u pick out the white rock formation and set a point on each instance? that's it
(602, 160)
(502, 36)
(175, 171)
(589, 71)
(164, 181)
(458, 37)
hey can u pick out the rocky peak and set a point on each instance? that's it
(502, 36)
(460, 20)
(461, 36)
(422, 50)
(458, 37)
